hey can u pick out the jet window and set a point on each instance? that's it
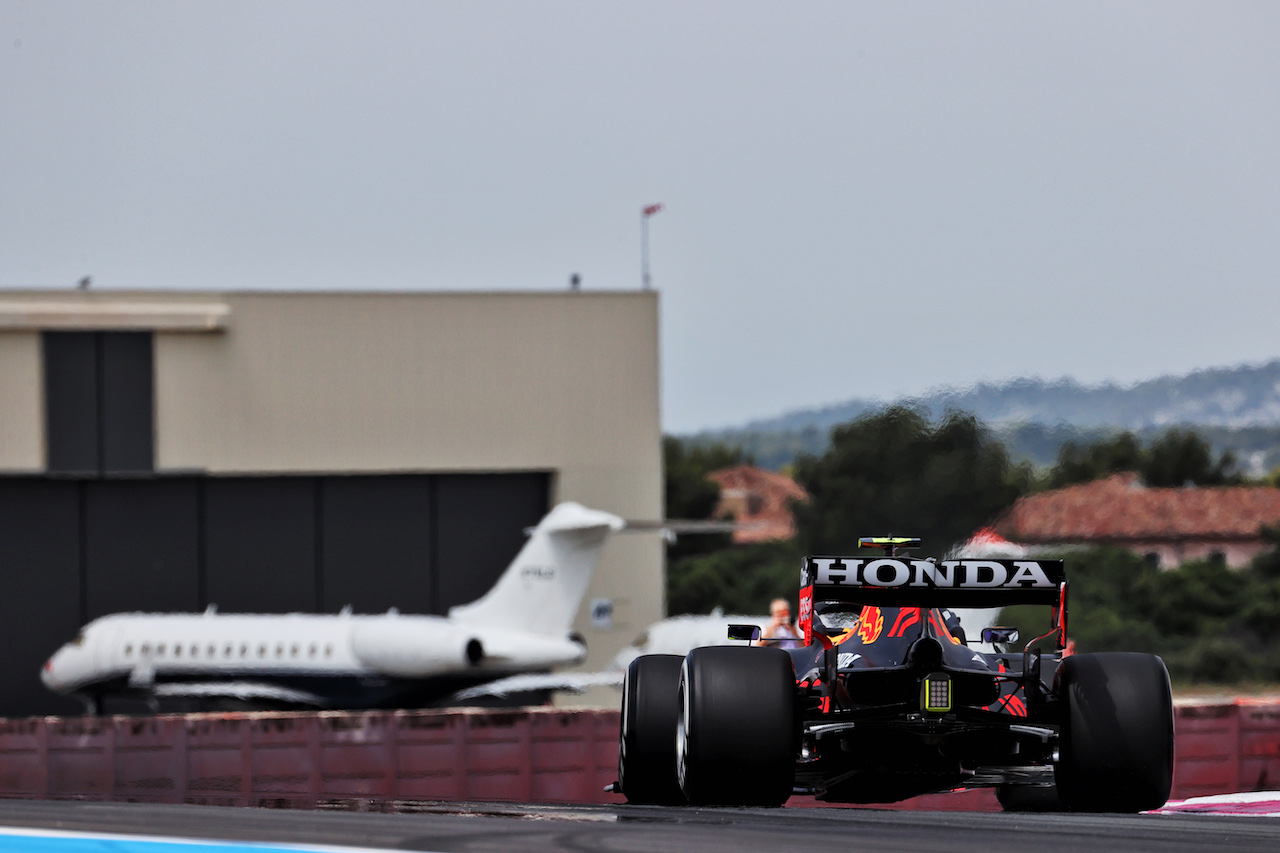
(328, 650)
(177, 650)
(128, 649)
(244, 650)
(279, 650)
(311, 650)
(213, 650)
(146, 648)
(293, 650)
(160, 650)
(262, 650)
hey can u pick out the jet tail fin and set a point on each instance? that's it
(541, 590)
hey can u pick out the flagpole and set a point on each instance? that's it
(644, 251)
(645, 213)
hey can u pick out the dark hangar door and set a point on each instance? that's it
(40, 608)
(376, 545)
(141, 540)
(99, 401)
(259, 544)
(481, 523)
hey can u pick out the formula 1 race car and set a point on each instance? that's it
(887, 700)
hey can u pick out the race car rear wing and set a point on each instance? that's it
(899, 581)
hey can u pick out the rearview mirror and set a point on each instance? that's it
(744, 632)
(1001, 635)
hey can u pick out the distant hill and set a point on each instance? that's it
(1237, 408)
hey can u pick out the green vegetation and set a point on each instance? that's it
(708, 571)
(1174, 458)
(737, 579)
(891, 472)
(1211, 624)
(1034, 417)
(689, 494)
(895, 473)
(1037, 443)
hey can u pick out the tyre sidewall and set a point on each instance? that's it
(1116, 741)
(647, 736)
(738, 726)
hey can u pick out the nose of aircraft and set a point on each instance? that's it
(47, 674)
(57, 671)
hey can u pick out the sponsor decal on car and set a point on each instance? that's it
(889, 572)
(870, 624)
(805, 616)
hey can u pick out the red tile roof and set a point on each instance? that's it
(1120, 509)
(758, 499)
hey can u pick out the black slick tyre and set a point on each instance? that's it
(738, 726)
(1029, 798)
(1115, 752)
(647, 743)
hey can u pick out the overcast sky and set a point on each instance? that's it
(862, 199)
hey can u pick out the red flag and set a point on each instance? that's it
(651, 209)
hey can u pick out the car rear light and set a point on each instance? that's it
(935, 693)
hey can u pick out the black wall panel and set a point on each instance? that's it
(480, 526)
(375, 548)
(141, 545)
(40, 579)
(127, 395)
(260, 544)
(71, 401)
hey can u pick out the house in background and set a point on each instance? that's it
(759, 501)
(1169, 526)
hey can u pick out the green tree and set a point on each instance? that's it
(690, 494)
(1210, 623)
(1174, 458)
(1081, 463)
(1181, 456)
(737, 579)
(895, 473)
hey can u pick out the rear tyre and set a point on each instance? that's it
(1116, 745)
(738, 728)
(647, 744)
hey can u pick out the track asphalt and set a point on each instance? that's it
(92, 827)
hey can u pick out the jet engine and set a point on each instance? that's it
(414, 646)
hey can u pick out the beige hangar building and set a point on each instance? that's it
(303, 451)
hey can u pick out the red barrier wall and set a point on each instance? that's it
(381, 759)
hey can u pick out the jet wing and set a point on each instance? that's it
(572, 682)
(237, 690)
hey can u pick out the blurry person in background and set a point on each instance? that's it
(780, 632)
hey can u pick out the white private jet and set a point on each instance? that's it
(675, 635)
(215, 660)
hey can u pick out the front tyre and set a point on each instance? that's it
(1116, 744)
(647, 743)
(738, 728)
